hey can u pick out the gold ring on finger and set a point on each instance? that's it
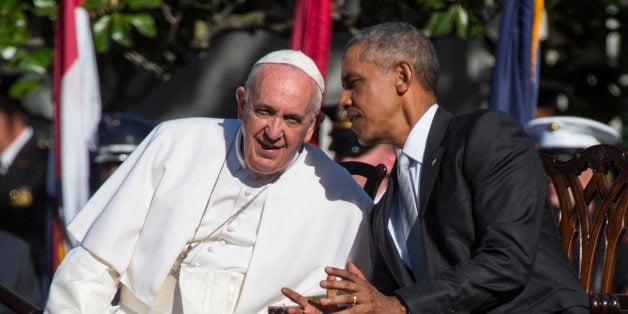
(355, 299)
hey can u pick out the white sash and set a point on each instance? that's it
(206, 290)
(199, 290)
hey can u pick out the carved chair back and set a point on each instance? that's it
(592, 214)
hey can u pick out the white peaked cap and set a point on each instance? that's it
(297, 59)
(570, 132)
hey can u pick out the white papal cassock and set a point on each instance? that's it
(140, 220)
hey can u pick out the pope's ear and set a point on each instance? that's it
(404, 73)
(241, 99)
(318, 119)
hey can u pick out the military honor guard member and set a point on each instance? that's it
(23, 168)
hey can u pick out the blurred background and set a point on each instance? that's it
(164, 59)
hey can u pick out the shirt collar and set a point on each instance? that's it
(14, 148)
(414, 146)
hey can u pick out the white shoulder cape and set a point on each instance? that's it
(140, 219)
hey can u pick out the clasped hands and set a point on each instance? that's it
(359, 297)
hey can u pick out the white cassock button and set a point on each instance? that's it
(210, 249)
(247, 193)
(230, 229)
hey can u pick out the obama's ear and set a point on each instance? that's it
(404, 72)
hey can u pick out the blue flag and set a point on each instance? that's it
(514, 85)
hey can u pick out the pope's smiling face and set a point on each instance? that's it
(277, 111)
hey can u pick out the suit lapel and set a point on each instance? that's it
(432, 156)
(385, 242)
(429, 171)
(416, 244)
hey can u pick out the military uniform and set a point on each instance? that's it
(16, 270)
(119, 133)
(344, 141)
(23, 198)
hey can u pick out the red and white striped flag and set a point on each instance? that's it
(77, 109)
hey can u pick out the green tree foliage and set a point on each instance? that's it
(19, 50)
(116, 21)
(586, 51)
(154, 35)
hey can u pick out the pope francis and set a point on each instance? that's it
(217, 215)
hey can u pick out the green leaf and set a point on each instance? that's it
(44, 56)
(99, 5)
(8, 52)
(461, 19)
(37, 62)
(9, 7)
(143, 4)
(102, 33)
(477, 31)
(22, 88)
(44, 7)
(431, 5)
(441, 23)
(14, 30)
(121, 29)
(144, 24)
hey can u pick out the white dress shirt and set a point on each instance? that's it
(9, 154)
(414, 147)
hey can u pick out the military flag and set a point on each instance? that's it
(311, 34)
(77, 109)
(514, 84)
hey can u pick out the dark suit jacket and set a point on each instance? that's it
(16, 270)
(490, 243)
(22, 199)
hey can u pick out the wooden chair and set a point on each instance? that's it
(593, 216)
(373, 174)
